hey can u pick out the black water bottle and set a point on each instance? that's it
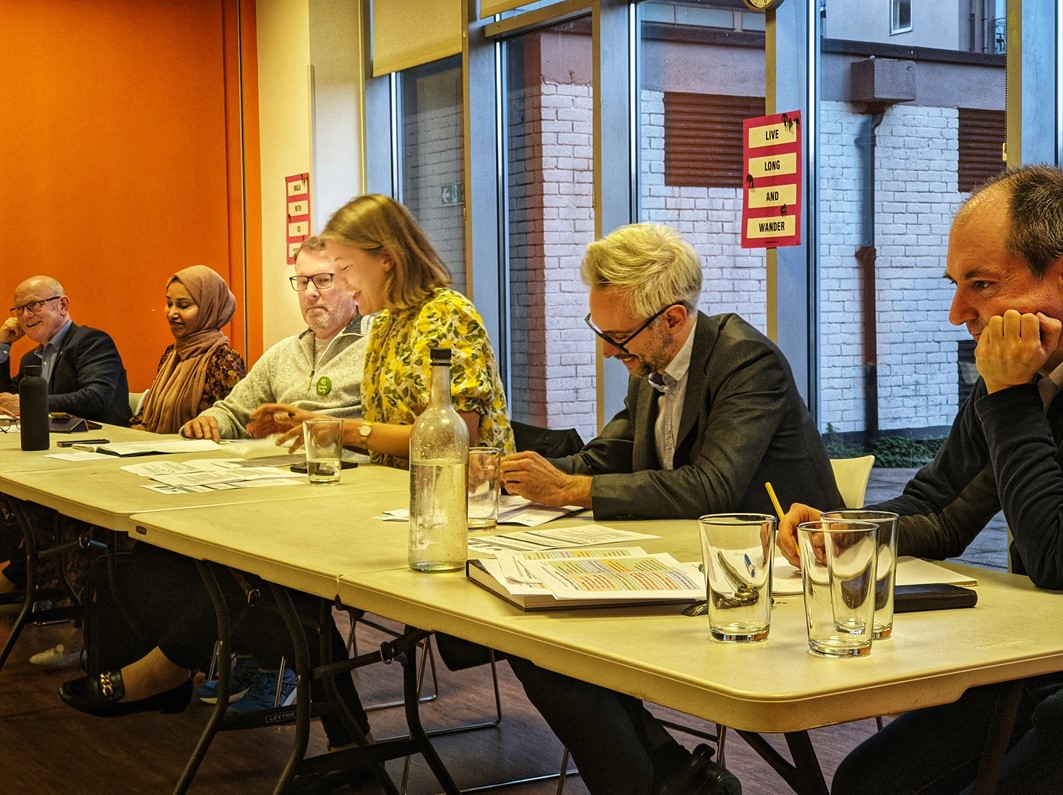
(33, 409)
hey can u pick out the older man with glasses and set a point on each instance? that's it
(85, 378)
(85, 374)
(711, 414)
(317, 370)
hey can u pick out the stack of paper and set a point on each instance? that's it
(210, 474)
(561, 579)
(786, 579)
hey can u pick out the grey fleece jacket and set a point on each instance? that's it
(286, 373)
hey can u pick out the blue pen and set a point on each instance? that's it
(749, 566)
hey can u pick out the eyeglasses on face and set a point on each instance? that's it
(321, 281)
(622, 344)
(32, 307)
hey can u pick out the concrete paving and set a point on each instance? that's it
(989, 548)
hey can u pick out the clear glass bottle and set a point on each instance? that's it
(33, 409)
(439, 457)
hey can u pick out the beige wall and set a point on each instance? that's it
(335, 51)
(309, 120)
(285, 130)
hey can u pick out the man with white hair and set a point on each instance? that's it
(84, 372)
(712, 412)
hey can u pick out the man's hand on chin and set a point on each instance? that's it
(1014, 347)
(10, 331)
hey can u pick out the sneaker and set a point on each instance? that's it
(56, 657)
(263, 691)
(240, 680)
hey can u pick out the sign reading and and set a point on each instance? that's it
(772, 196)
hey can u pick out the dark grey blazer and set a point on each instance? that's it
(88, 379)
(743, 423)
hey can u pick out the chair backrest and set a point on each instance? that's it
(546, 442)
(136, 400)
(851, 475)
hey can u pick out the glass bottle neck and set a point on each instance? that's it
(440, 394)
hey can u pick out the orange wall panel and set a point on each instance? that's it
(118, 139)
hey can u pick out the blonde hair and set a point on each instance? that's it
(651, 263)
(380, 225)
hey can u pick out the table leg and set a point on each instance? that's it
(998, 739)
(413, 721)
(32, 586)
(403, 649)
(217, 715)
(804, 774)
(304, 674)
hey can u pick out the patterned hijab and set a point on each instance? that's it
(178, 389)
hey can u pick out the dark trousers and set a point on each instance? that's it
(50, 529)
(618, 746)
(169, 603)
(938, 749)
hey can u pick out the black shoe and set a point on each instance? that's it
(102, 696)
(700, 776)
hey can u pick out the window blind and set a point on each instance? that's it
(409, 33)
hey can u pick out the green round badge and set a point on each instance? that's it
(324, 385)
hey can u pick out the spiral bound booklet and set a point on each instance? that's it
(566, 579)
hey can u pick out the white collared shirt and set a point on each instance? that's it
(672, 384)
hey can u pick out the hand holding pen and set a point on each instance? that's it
(786, 538)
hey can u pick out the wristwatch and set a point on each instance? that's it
(364, 430)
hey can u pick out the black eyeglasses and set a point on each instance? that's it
(321, 281)
(621, 344)
(32, 306)
(8, 424)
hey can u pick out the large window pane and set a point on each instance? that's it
(432, 157)
(909, 123)
(701, 73)
(550, 221)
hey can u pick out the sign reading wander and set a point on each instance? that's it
(771, 197)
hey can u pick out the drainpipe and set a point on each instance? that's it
(866, 255)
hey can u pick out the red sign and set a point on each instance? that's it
(297, 215)
(771, 198)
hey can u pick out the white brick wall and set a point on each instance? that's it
(551, 222)
(709, 218)
(433, 157)
(916, 197)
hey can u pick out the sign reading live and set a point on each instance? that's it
(297, 212)
(771, 204)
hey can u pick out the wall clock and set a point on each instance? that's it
(762, 5)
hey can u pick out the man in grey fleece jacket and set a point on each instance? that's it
(318, 370)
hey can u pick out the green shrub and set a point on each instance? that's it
(898, 452)
(892, 452)
(838, 447)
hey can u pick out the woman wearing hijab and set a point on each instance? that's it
(200, 367)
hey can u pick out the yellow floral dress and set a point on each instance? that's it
(397, 379)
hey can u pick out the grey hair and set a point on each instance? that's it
(651, 263)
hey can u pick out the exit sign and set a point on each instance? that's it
(452, 194)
